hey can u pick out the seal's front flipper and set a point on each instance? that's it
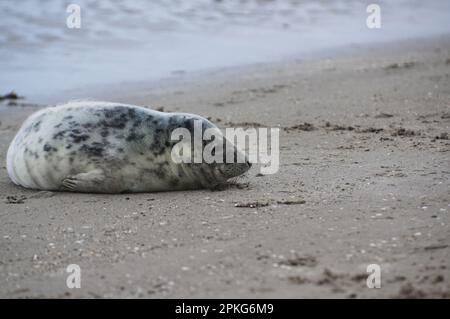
(93, 181)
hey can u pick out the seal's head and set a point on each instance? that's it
(213, 174)
(212, 160)
(227, 169)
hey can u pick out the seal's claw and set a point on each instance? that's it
(68, 184)
(83, 182)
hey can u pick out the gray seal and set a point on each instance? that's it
(104, 147)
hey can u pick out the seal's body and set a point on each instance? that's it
(107, 147)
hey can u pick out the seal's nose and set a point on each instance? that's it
(249, 164)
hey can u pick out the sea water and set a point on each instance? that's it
(141, 40)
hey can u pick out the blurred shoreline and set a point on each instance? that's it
(148, 41)
(139, 90)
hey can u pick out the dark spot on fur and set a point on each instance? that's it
(59, 135)
(104, 132)
(134, 137)
(132, 113)
(67, 117)
(157, 147)
(89, 125)
(109, 113)
(37, 125)
(73, 124)
(95, 149)
(49, 148)
(117, 122)
(78, 138)
(137, 123)
(189, 125)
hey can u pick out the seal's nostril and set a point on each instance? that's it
(249, 164)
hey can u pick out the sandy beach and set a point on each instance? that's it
(363, 179)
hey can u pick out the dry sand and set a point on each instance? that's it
(365, 181)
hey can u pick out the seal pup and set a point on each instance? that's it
(104, 147)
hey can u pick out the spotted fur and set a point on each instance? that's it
(106, 148)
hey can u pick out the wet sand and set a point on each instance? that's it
(363, 179)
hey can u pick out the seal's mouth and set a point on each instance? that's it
(234, 169)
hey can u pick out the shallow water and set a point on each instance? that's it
(127, 41)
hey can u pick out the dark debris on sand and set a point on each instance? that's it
(257, 204)
(307, 127)
(404, 132)
(404, 65)
(383, 115)
(251, 205)
(10, 96)
(15, 199)
(305, 261)
(245, 124)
